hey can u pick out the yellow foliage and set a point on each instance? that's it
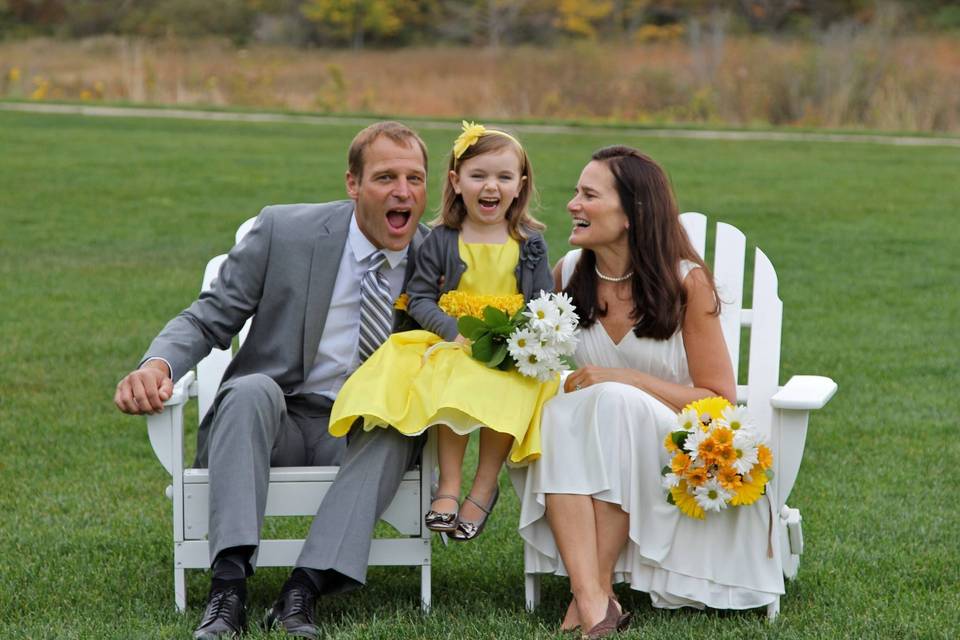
(578, 18)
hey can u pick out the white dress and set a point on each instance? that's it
(606, 441)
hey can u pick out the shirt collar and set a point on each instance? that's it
(363, 248)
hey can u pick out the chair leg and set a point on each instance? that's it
(773, 610)
(180, 589)
(532, 590)
(425, 589)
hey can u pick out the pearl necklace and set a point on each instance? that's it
(603, 276)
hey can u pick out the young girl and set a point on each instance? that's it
(485, 250)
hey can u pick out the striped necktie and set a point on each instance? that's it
(376, 307)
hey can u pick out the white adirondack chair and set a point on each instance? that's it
(293, 491)
(780, 412)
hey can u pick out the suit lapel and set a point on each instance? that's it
(324, 265)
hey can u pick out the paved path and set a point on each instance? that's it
(700, 134)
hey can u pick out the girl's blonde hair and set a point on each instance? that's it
(453, 211)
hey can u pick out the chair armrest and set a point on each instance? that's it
(804, 393)
(166, 428)
(182, 391)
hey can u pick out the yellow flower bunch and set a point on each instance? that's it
(461, 303)
(717, 459)
(400, 304)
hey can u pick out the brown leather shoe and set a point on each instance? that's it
(609, 625)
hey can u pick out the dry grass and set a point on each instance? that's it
(847, 78)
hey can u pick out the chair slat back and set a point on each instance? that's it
(763, 376)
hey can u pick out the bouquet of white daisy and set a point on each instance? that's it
(718, 459)
(538, 340)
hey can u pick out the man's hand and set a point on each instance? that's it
(144, 390)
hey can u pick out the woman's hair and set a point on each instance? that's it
(657, 242)
(453, 211)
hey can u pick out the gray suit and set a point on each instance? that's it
(283, 273)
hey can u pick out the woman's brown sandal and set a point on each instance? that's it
(442, 521)
(609, 625)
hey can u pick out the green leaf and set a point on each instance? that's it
(679, 438)
(769, 473)
(495, 317)
(470, 327)
(670, 499)
(503, 329)
(499, 355)
(568, 362)
(483, 348)
(518, 319)
(665, 471)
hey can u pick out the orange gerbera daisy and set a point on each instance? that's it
(726, 454)
(680, 463)
(764, 456)
(697, 475)
(707, 450)
(729, 478)
(669, 444)
(722, 435)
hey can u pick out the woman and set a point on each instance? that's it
(592, 506)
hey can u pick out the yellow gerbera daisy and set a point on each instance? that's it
(686, 502)
(401, 302)
(751, 490)
(764, 456)
(712, 407)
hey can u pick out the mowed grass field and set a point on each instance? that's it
(106, 224)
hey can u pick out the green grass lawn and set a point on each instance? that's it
(106, 224)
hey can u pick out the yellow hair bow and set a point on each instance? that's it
(471, 133)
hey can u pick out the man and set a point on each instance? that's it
(307, 272)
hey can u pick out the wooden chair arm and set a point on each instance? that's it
(804, 393)
(161, 426)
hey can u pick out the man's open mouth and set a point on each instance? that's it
(398, 218)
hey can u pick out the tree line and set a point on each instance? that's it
(490, 23)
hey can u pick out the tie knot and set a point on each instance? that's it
(377, 258)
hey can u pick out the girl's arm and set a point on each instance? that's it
(707, 356)
(424, 290)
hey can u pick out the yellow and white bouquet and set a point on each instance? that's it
(718, 459)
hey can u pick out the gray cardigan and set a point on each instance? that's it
(439, 255)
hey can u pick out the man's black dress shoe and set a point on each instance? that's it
(293, 612)
(225, 616)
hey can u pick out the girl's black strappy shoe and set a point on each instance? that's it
(442, 521)
(467, 530)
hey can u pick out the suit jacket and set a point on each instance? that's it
(282, 272)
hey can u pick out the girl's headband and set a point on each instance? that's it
(473, 132)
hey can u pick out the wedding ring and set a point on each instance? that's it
(576, 387)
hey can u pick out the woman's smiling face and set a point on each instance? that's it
(598, 217)
(488, 184)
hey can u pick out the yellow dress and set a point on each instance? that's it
(398, 387)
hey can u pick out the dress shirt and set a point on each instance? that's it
(338, 356)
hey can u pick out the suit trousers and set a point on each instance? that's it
(253, 427)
